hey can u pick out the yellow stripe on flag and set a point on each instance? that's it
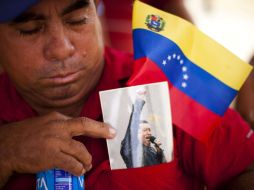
(197, 47)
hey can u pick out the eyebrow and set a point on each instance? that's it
(28, 16)
(76, 5)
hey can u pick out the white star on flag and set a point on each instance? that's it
(177, 59)
(184, 69)
(184, 84)
(185, 77)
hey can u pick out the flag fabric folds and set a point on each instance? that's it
(203, 76)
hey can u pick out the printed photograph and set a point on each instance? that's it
(142, 117)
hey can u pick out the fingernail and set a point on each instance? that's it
(112, 132)
(83, 171)
(90, 167)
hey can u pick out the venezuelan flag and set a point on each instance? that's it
(203, 76)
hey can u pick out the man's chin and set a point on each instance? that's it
(147, 142)
(62, 96)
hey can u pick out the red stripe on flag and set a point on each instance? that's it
(187, 114)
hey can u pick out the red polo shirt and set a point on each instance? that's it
(229, 151)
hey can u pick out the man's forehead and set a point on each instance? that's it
(144, 125)
(63, 7)
(13, 9)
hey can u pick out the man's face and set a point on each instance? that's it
(145, 133)
(53, 51)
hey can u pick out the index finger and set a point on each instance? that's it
(89, 127)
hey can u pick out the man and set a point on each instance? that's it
(52, 55)
(245, 101)
(152, 154)
(136, 149)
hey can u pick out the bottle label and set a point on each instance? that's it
(56, 179)
(63, 180)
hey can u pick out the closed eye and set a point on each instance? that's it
(77, 21)
(30, 31)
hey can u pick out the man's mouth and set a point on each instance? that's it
(62, 78)
(65, 78)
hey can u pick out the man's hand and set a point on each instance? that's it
(141, 93)
(46, 142)
(157, 142)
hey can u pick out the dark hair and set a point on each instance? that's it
(143, 121)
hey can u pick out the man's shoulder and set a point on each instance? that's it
(235, 129)
(8, 95)
(6, 87)
(231, 124)
(13, 107)
(232, 120)
(232, 131)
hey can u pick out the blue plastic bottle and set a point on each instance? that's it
(57, 179)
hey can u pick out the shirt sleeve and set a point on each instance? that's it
(228, 152)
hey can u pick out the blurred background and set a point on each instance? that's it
(229, 22)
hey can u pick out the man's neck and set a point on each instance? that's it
(71, 110)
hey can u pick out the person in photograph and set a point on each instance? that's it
(131, 148)
(151, 146)
(136, 147)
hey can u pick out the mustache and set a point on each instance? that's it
(55, 68)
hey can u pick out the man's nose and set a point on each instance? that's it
(58, 45)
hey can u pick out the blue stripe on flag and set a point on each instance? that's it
(181, 72)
